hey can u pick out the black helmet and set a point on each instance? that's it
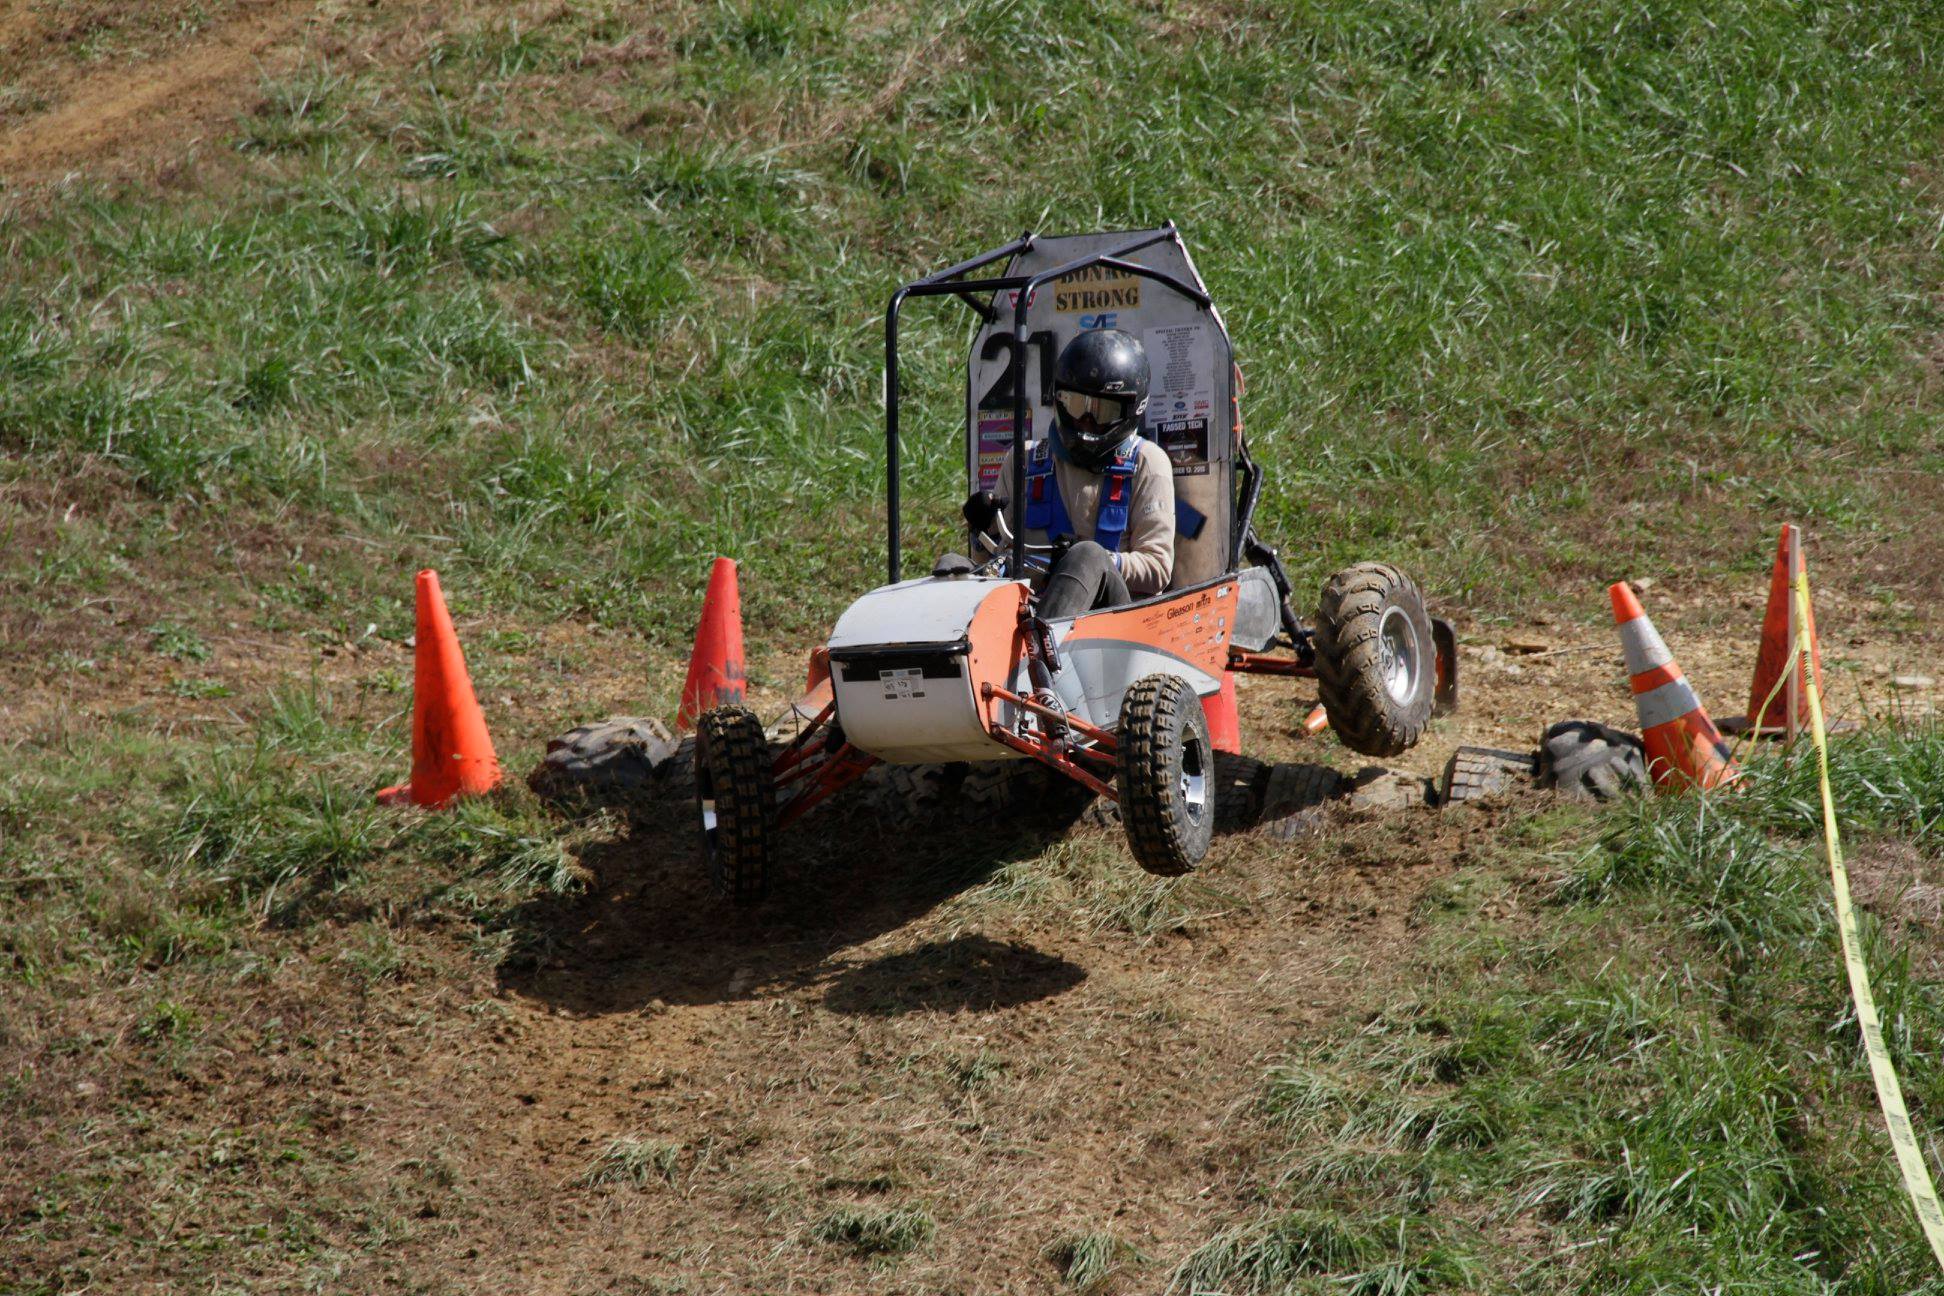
(1100, 389)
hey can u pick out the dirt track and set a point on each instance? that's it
(994, 1047)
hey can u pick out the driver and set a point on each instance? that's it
(1096, 491)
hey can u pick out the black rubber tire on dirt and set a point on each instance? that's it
(1167, 768)
(736, 802)
(1297, 798)
(1481, 773)
(1375, 663)
(1582, 758)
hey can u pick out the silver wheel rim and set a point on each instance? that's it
(1399, 658)
(1193, 783)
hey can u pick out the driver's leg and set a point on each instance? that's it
(1083, 579)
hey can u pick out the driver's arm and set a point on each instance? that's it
(1146, 559)
(996, 537)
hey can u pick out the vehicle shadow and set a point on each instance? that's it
(650, 930)
(969, 973)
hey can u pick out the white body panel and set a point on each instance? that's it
(899, 669)
(1098, 672)
(922, 611)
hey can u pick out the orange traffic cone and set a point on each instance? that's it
(715, 674)
(1775, 705)
(1224, 719)
(1683, 746)
(452, 754)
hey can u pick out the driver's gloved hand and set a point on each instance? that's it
(1060, 546)
(982, 510)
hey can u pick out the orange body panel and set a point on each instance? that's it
(1193, 625)
(996, 646)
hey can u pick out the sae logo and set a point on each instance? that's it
(1105, 320)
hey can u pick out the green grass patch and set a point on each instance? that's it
(1659, 1086)
(876, 1230)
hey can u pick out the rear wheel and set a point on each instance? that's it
(1167, 767)
(736, 799)
(1374, 659)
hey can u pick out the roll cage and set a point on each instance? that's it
(951, 282)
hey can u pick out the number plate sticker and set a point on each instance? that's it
(902, 685)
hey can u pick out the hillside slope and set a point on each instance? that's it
(564, 298)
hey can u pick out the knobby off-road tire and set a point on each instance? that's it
(1167, 768)
(1581, 758)
(911, 796)
(736, 802)
(1375, 664)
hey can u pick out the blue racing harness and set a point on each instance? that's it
(1047, 512)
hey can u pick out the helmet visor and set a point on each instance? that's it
(1094, 412)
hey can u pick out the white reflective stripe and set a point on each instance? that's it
(1644, 646)
(1670, 701)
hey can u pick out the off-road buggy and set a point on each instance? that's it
(955, 666)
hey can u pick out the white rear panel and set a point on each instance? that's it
(898, 667)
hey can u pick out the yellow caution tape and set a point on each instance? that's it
(1910, 1159)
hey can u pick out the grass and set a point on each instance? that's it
(876, 1230)
(635, 1162)
(1475, 262)
(1658, 1087)
(565, 302)
(1089, 1262)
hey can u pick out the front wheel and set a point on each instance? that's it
(1375, 661)
(736, 799)
(1166, 779)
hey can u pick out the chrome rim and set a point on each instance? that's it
(1193, 784)
(1399, 657)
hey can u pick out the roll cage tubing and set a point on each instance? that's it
(946, 283)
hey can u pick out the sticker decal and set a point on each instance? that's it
(995, 439)
(1096, 288)
(1182, 360)
(903, 684)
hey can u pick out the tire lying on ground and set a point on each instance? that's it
(1375, 664)
(1241, 783)
(1581, 758)
(1479, 773)
(911, 795)
(1296, 798)
(618, 754)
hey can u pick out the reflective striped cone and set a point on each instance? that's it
(1684, 749)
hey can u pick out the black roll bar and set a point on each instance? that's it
(946, 283)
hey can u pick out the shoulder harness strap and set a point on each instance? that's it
(1045, 510)
(1116, 493)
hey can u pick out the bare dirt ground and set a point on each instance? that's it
(106, 90)
(997, 1043)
